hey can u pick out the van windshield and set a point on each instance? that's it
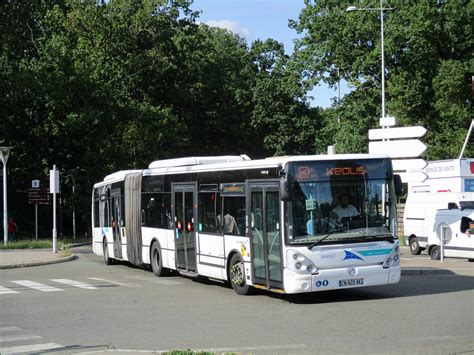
(353, 201)
(467, 205)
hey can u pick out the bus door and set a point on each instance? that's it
(184, 201)
(115, 202)
(263, 202)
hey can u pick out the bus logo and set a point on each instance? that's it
(344, 171)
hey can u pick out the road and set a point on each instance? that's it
(84, 306)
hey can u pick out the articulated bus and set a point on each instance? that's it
(272, 224)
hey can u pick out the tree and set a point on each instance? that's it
(426, 43)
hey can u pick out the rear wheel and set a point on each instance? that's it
(237, 276)
(435, 253)
(156, 260)
(415, 248)
(107, 260)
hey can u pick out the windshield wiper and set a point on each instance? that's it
(320, 240)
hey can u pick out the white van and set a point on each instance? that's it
(443, 203)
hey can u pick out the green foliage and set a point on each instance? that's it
(428, 63)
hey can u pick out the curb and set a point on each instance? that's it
(39, 263)
(70, 246)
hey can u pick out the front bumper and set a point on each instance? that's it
(329, 279)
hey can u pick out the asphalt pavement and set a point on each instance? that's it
(87, 307)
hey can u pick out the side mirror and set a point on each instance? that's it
(397, 180)
(452, 206)
(465, 224)
(285, 188)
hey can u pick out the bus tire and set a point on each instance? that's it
(415, 248)
(237, 276)
(435, 253)
(156, 260)
(107, 259)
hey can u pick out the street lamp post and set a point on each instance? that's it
(4, 153)
(381, 9)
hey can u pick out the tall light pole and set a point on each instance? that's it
(381, 9)
(4, 153)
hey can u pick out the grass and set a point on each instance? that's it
(40, 244)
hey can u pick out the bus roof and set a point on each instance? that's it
(221, 163)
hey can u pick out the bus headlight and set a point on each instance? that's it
(299, 263)
(393, 259)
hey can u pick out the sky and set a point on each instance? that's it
(262, 19)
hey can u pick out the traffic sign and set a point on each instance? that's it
(387, 121)
(408, 164)
(35, 184)
(413, 176)
(404, 148)
(398, 132)
(39, 196)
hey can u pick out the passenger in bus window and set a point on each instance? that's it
(344, 208)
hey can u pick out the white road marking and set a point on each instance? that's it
(5, 339)
(29, 348)
(4, 290)
(9, 329)
(112, 282)
(75, 283)
(36, 286)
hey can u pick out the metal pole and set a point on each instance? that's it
(339, 97)
(443, 237)
(467, 139)
(55, 232)
(5, 211)
(73, 212)
(36, 221)
(383, 59)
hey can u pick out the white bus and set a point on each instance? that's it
(268, 224)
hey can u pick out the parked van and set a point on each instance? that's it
(442, 205)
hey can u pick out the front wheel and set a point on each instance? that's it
(415, 248)
(435, 253)
(107, 260)
(237, 276)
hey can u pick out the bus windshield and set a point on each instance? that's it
(341, 201)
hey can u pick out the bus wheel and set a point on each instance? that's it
(237, 276)
(107, 259)
(470, 260)
(435, 253)
(415, 248)
(156, 261)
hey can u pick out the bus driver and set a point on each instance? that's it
(344, 208)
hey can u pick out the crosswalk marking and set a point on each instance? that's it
(5, 339)
(37, 286)
(75, 284)
(4, 290)
(9, 329)
(29, 348)
(112, 282)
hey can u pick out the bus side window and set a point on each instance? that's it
(209, 207)
(234, 215)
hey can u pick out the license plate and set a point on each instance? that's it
(351, 282)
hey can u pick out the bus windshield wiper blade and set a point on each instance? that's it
(320, 240)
